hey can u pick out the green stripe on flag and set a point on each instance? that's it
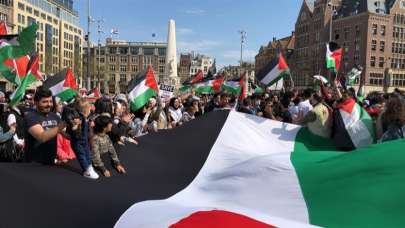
(67, 94)
(142, 99)
(279, 77)
(359, 189)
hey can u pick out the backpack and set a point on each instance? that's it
(393, 132)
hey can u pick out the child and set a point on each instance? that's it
(102, 144)
(78, 129)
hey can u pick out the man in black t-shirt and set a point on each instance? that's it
(41, 129)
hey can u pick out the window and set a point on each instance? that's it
(123, 50)
(372, 61)
(382, 46)
(374, 29)
(21, 6)
(381, 62)
(113, 50)
(134, 60)
(162, 60)
(112, 77)
(134, 51)
(399, 80)
(112, 67)
(43, 16)
(134, 68)
(383, 28)
(123, 77)
(374, 45)
(36, 13)
(376, 79)
(112, 59)
(29, 9)
(161, 69)
(162, 51)
(148, 51)
(124, 59)
(123, 68)
(346, 32)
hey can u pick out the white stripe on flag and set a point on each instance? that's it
(140, 89)
(250, 151)
(273, 74)
(355, 127)
(58, 88)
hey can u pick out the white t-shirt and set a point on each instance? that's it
(304, 107)
(176, 115)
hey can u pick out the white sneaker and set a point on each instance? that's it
(90, 173)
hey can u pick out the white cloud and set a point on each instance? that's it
(184, 31)
(248, 55)
(195, 11)
(198, 46)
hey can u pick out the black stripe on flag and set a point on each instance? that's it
(269, 67)
(163, 164)
(55, 79)
(138, 79)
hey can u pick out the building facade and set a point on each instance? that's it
(268, 53)
(184, 67)
(371, 33)
(6, 15)
(235, 72)
(312, 33)
(59, 37)
(121, 61)
(201, 62)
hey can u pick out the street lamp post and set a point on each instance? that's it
(88, 45)
(243, 36)
(99, 31)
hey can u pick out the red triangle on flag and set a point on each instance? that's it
(198, 77)
(3, 29)
(243, 93)
(20, 65)
(347, 106)
(70, 80)
(34, 68)
(150, 80)
(282, 64)
(217, 83)
(337, 56)
(219, 219)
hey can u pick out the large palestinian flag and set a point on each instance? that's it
(275, 71)
(234, 87)
(63, 85)
(142, 88)
(245, 172)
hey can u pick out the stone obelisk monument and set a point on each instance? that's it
(171, 57)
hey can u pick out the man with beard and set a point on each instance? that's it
(41, 129)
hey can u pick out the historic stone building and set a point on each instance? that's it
(184, 67)
(6, 16)
(268, 53)
(371, 33)
(121, 61)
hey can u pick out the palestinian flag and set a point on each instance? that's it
(245, 172)
(94, 93)
(14, 47)
(274, 71)
(63, 85)
(209, 86)
(3, 28)
(233, 87)
(333, 56)
(141, 89)
(198, 77)
(29, 77)
(353, 126)
(18, 69)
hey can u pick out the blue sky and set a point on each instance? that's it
(208, 27)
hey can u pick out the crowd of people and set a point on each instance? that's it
(43, 130)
